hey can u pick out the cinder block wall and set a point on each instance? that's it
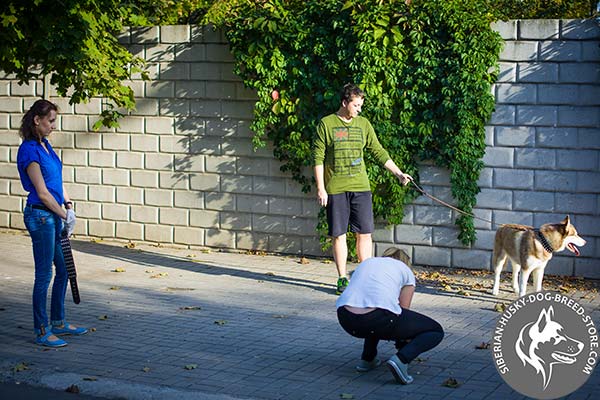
(181, 168)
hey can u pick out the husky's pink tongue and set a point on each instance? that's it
(573, 248)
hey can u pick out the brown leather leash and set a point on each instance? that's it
(547, 246)
(450, 206)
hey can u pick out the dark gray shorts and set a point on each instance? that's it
(350, 208)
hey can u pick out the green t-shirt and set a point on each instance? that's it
(339, 147)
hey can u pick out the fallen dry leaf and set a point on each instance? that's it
(326, 261)
(159, 275)
(22, 366)
(146, 369)
(483, 346)
(451, 383)
(130, 245)
(220, 322)
(72, 389)
(269, 274)
(565, 289)
(114, 288)
(304, 261)
(103, 317)
(447, 287)
(261, 253)
(191, 366)
(119, 269)
(499, 307)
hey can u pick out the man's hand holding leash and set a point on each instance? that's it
(391, 166)
(405, 178)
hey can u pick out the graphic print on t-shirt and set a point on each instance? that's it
(348, 145)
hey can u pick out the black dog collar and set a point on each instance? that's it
(545, 244)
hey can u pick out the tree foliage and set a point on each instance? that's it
(542, 9)
(426, 67)
(170, 12)
(75, 43)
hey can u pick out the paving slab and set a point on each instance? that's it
(202, 324)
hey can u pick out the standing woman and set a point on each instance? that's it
(40, 171)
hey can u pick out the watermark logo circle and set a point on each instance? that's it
(545, 345)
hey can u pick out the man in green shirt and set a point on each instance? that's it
(342, 183)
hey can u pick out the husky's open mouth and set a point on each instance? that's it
(573, 249)
(563, 358)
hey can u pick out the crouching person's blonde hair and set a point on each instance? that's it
(398, 254)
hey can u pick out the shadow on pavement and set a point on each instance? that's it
(26, 392)
(143, 257)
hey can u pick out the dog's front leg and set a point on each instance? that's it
(523, 281)
(538, 276)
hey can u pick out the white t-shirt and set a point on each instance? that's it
(377, 282)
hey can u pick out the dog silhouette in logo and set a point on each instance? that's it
(543, 343)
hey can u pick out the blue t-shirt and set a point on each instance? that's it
(32, 151)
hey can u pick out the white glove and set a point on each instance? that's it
(70, 221)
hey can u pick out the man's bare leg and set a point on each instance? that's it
(340, 254)
(364, 246)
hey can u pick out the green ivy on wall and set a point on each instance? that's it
(426, 67)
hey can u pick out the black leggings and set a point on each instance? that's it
(413, 333)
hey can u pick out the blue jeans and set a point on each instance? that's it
(44, 228)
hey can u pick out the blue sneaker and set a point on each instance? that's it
(399, 370)
(44, 340)
(365, 366)
(68, 329)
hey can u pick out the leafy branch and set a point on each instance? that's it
(427, 68)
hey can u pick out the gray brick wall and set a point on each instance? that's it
(181, 168)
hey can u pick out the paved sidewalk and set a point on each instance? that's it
(189, 324)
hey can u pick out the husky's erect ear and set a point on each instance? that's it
(544, 318)
(566, 221)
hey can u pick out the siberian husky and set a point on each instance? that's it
(529, 250)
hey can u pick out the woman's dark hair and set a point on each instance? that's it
(40, 108)
(349, 91)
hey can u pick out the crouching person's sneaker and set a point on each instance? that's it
(365, 366)
(399, 370)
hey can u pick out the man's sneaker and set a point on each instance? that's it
(342, 284)
(399, 370)
(365, 366)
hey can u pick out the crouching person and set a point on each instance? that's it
(376, 306)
